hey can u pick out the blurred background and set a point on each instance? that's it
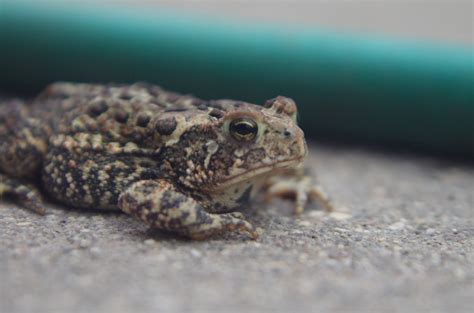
(442, 21)
(397, 74)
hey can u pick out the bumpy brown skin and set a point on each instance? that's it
(170, 160)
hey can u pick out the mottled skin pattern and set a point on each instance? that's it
(175, 162)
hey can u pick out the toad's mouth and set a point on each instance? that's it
(256, 172)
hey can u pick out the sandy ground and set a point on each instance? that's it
(402, 241)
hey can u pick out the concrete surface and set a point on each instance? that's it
(401, 242)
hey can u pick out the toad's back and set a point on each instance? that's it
(111, 110)
(118, 114)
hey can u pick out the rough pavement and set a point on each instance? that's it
(402, 241)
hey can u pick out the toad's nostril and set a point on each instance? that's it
(286, 133)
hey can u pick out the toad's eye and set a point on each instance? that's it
(243, 129)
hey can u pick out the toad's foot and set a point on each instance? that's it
(299, 188)
(28, 196)
(159, 204)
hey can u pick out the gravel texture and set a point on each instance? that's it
(402, 241)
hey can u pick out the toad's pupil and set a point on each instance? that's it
(244, 128)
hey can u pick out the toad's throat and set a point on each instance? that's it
(255, 172)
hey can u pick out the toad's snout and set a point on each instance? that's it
(294, 140)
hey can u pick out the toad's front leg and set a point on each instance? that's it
(298, 185)
(160, 205)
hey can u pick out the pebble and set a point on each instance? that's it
(339, 216)
(195, 253)
(316, 214)
(304, 223)
(85, 243)
(96, 251)
(397, 226)
(430, 231)
(149, 242)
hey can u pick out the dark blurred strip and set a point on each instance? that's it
(351, 88)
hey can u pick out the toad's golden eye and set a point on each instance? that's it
(243, 129)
